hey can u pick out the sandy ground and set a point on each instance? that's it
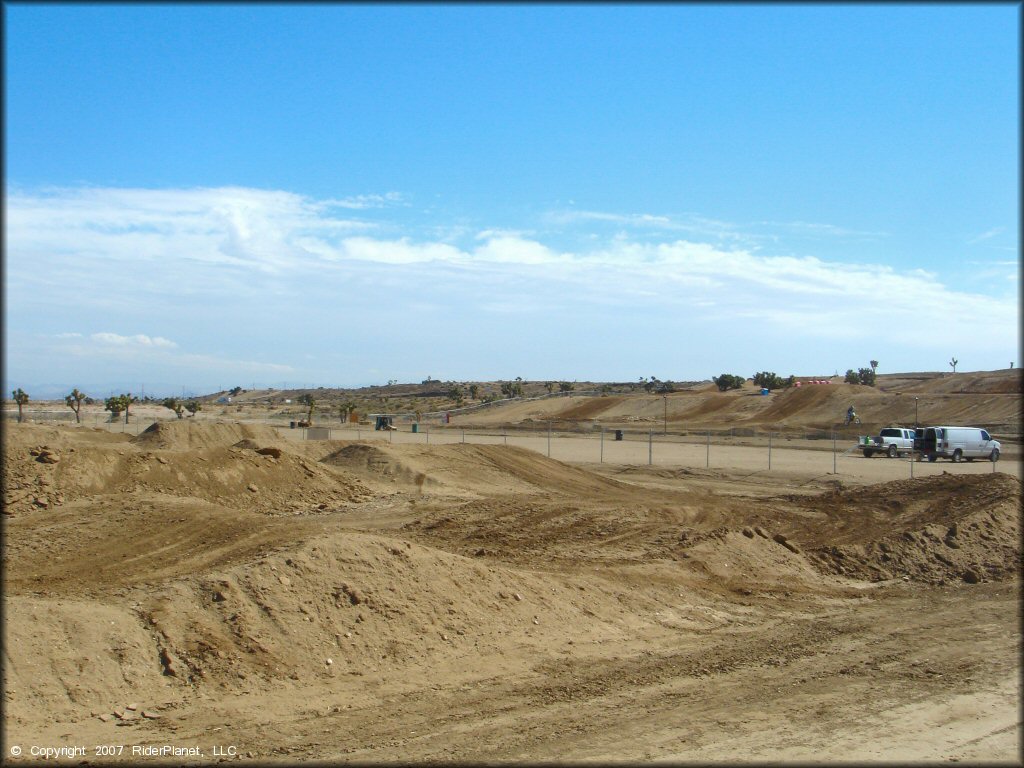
(234, 589)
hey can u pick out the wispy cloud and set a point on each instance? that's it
(364, 202)
(987, 235)
(821, 229)
(138, 340)
(264, 281)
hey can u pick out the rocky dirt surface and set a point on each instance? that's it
(212, 586)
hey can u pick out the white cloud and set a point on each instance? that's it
(363, 202)
(234, 273)
(139, 339)
(987, 235)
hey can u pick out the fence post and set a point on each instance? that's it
(463, 436)
(549, 439)
(602, 446)
(707, 463)
(769, 451)
(650, 447)
(427, 433)
(834, 472)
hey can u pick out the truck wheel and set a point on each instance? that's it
(994, 456)
(892, 452)
(932, 457)
(958, 456)
(868, 453)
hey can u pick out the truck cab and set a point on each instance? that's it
(892, 441)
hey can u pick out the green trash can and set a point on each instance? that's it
(415, 427)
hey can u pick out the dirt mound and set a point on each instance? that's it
(936, 530)
(42, 476)
(472, 469)
(590, 408)
(188, 434)
(335, 606)
(832, 399)
(138, 539)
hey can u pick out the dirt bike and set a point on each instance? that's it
(854, 419)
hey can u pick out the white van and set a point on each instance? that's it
(958, 443)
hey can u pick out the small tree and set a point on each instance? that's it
(953, 363)
(866, 376)
(874, 364)
(455, 393)
(473, 390)
(345, 409)
(308, 401)
(550, 387)
(115, 405)
(566, 386)
(21, 399)
(768, 380)
(74, 402)
(851, 376)
(175, 405)
(728, 381)
(511, 389)
(193, 407)
(126, 403)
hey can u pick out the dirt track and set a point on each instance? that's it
(364, 601)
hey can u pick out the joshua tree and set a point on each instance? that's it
(474, 388)
(510, 389)
(126, 401)
(308, 401)
(953, 363)
(193, 406)
(455, 393)
(874, 364)
(175, 405)
(21, 399)
(115, 405)
(74, 401)
(345, 409)
(550, 387)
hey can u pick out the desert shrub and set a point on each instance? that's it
(768, 380)
(728, 381)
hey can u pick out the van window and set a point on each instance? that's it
(984, 435)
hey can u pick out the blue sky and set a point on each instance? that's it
(205, 196)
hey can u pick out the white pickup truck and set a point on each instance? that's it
(892, 441)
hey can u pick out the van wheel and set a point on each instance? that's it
(932, 457)
(892, 451)
(994, 456)
(958, 456)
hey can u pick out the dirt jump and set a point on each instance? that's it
(210, 591)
